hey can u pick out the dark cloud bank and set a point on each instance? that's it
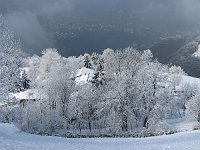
(86, 25)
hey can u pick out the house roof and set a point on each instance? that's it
(28, 94)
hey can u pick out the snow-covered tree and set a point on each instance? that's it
(99, 78)
(10, 59)
(130, 91)
(193, 108)
(87, 61)
(23, 83)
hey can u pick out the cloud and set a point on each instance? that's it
(23, 15)
(55, 7)
(190, 8)
(26, 26)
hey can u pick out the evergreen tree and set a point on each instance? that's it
(99, 78)
(23, 83)
(87, 62)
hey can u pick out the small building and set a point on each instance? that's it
(84, 76)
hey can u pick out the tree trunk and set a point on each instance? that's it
(124, 123)
(145, 124)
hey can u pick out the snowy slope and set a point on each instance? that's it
(12, 139)
(197, 53)
(190, 81)
(182, 124)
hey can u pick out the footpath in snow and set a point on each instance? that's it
(12, 139)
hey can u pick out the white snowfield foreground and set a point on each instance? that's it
(12, 139)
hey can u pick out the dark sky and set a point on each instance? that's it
(26, 17)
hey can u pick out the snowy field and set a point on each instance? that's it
(12, 139)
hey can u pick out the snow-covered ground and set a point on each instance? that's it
(12, 139)
(182, 124)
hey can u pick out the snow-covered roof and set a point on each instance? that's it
(1, 104)
(28, 94)
(84, 75)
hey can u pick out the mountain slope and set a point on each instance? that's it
(179, 51)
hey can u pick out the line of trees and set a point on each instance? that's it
(129, 93)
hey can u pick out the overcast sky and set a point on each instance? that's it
(22, 15)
